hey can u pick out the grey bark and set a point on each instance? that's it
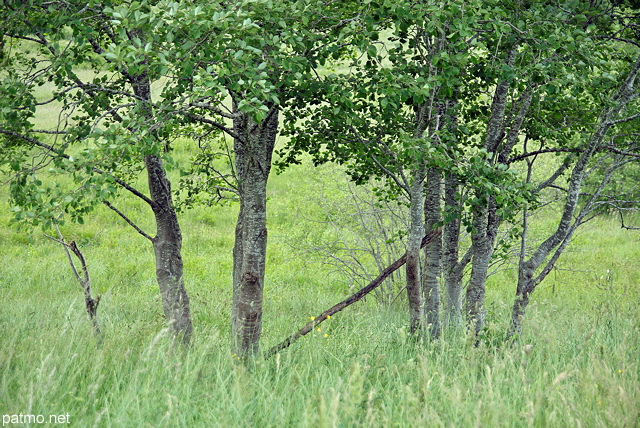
(167, 244)
(485, 225)
(253, 148)
(452, 269)
(484, 218)
(416, 232)
(499, 143)
(423, 116)
(433, 253)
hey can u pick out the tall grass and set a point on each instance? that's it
(575, 365)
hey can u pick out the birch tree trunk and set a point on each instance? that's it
(253, 149)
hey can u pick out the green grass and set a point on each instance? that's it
(582, 330)
(583, 326)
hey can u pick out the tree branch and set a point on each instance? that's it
(542, 151)
(66, 156)
(217, 125)
(131, 223)
(91, 304)
(349, 301)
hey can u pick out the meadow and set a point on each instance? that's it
(576, 363)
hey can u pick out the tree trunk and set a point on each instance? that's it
(433, 253)
(474, 303)
(525, 287)
(416, 232)
(485, 225)
(167, 244)
(253, 149)
(452, 272)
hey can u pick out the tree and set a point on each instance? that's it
(619, 110)
(454, 90)
(399, 119)
(98, 58)
(250, 59)
(237, 62)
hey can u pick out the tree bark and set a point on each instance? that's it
(452, 271)
(485, 220)
(433, 253)
(482, 248)
(253, 149)
(167, 244)
(416, 232)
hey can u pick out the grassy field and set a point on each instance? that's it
(575, 365)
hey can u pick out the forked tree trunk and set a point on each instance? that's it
(433, 253)
(253, 149)
(485, 221)
(568, 223)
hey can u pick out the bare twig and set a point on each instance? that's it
(128, 220)
(84, 280)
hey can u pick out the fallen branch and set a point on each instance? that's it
(350, 300)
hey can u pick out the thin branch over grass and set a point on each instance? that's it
(350, 300)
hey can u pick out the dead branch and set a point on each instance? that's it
(84, 280)
(350, 300)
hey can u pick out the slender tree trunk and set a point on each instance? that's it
(167, 244)
(416, 232)
(485, 225)
(450, 254)
(253, 150)
(433, 253)
(523, 292)
(474, 303)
